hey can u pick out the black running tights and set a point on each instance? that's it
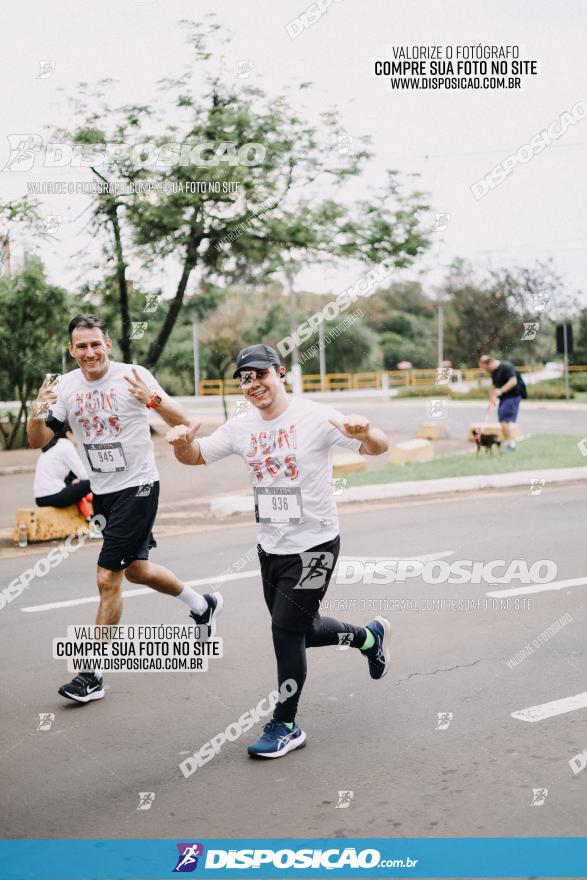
(290, 652)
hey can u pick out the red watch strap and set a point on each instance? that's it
(155, 401)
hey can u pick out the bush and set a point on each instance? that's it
(423, 391)
(578, 381)
(472, 394)
(552, 389)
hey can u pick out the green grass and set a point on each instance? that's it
(550, 389)
(539, 452)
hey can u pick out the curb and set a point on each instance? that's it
(17, 469)
(226, 506)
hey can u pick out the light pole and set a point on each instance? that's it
(296, 370)
(196, 348)
(322, 349)
(566, 357)
(440, 340)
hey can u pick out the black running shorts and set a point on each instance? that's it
(294, 585)
(129, 515)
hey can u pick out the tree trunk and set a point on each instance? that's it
(15, 428)
(125, 341)
(158, 344)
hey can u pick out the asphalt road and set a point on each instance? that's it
(400, 420)
(380, 740)
(404, 415)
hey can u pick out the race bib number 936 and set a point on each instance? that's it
(278, 505)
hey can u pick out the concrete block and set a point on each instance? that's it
(347, 463)
(432, 431)
(228, 505)
(48, 523)
(412, 451)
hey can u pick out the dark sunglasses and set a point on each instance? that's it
(248, 376)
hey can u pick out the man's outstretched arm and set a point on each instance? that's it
(185, 447)
(373, 440)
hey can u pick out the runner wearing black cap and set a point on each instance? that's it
(286, 443)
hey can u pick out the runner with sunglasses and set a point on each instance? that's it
(286, 443)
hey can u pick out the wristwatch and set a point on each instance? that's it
(155, 401)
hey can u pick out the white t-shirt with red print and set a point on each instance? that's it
(289, 462)
(111, 427)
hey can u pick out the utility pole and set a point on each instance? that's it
(566, 360)
(196, 348)
(440, 341)
(296, 370)
(322, 349)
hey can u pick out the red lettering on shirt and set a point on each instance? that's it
(257, 469)
(267, 441)
(273, 466)
(287, 437)
(291, 467)
(253, 447)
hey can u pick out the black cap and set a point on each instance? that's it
(255, 357)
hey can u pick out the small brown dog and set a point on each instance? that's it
(488, 441)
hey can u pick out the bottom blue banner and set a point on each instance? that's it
(309, 857)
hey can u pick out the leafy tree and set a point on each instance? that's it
(397, 348)
(33, 330)
(580, 340)
(487, 314)
(251, 221)
(350, 350)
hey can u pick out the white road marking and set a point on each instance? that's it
(538, 588)
(428, 557)
(549, 710)
(218, 579)
(143, 591)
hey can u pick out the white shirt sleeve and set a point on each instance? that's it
(334, 436)
(72, 460)
(218, 445)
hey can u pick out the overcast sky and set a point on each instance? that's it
(450, 138)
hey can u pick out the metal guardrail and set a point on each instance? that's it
(376, 379)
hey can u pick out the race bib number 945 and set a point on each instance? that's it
(105, 458)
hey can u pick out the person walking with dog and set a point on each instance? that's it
(509, 389)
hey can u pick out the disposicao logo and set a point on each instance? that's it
(188, 857)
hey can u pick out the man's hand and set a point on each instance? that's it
(182, 436)
(355, 427)
(45, 397)
(138, 388)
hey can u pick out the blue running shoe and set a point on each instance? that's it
(378, 655)
(277, 740)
